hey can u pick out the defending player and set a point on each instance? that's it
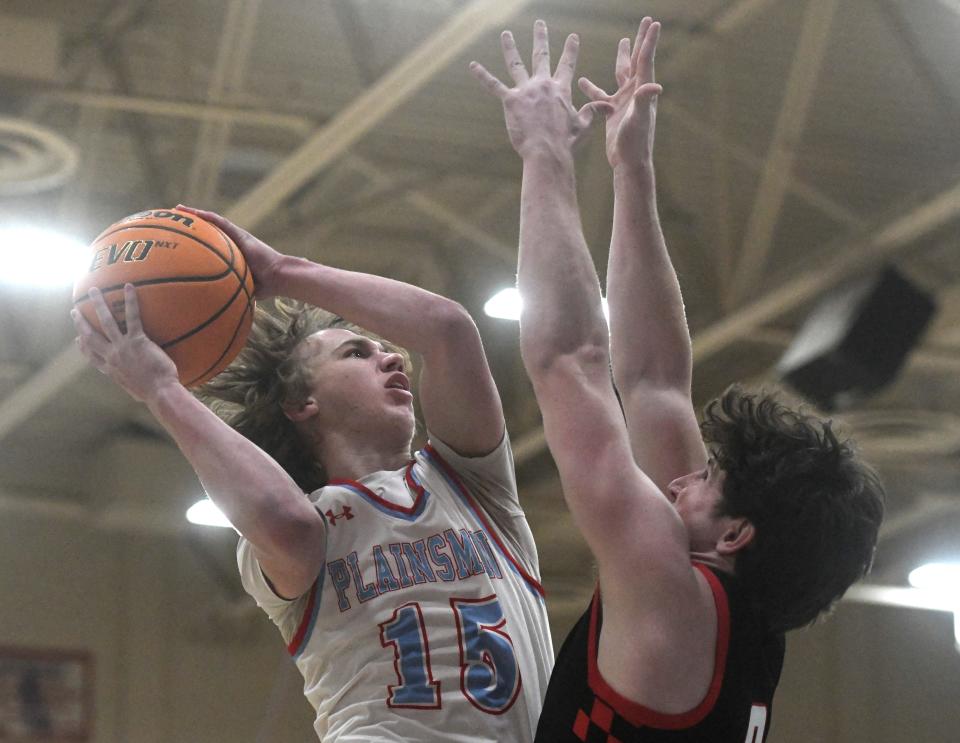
(405, 587)
(704, 560)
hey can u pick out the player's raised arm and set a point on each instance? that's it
(563, 333)
(458, 396)
(256, 494)
(650, 342)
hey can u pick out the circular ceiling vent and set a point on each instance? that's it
(33, 159)
(902, 434)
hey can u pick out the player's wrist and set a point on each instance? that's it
(634, 171)
(547, 153)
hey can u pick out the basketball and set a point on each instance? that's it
(193, 285)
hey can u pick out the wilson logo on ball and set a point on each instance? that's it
(131, 250)
(194, 288)
(160, 214)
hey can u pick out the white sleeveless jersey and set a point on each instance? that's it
(427, 622)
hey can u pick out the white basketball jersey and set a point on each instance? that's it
(427, 622)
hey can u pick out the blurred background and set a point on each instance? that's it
(809, 187)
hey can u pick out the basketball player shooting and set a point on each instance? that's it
(405, 586)
(710, 542)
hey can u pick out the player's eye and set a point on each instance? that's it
(356, 352)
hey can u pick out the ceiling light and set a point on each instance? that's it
(942, 577)
(32, 256)
(205, 513)
(506, 305)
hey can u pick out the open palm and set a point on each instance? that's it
(632, 110)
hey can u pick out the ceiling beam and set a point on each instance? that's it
(299, 125)
(894, 238)
(886, 243)
(746, 157)
(396, 87)
(788, 133)
(731, 18)
(30, 396)
(229, 70)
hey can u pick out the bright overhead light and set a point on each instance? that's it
(942, 577)
(32, 256)
(506, 305)
(205, 513)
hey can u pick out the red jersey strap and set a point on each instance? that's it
(638, 715)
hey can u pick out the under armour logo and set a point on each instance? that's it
(344, 514)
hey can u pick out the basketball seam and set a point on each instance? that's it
(205, 323)
(154, 282)
(228, 241)
(236, 330)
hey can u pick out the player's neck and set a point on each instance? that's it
(346, 459)
(715, 560)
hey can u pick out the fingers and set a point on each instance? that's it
(541, 50)
(647, 52)
(591, 91)
(568, 61)
(131, 310)
(647, 92)
(92, 345)
(511, 58)
(235, 233)
(107, 322)
(588, 112)
(622, 69)
(488, 81)
(638, 43)
(221, 222)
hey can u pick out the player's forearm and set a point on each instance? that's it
(412, 317)
(556, 276)
(650, 342)
(260, 499)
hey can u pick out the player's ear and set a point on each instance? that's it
(738, 534)
(299, 412)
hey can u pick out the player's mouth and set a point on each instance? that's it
(398, 381)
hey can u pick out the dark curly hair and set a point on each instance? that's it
(251, 393)
(815, 505)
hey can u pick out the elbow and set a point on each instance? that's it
(450, 323)
(543, 358)
(631, 372)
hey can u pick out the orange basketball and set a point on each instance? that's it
(193, 285)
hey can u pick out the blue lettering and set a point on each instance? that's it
(386, 580)
(365, 591)
(416, 555)
(341, 581)
(434, 544)
(405, 580)
(464, 552)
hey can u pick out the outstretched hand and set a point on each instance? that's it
(127, 356)
(261, 258)
(632, 109)
(539, 112)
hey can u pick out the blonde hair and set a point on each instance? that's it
(250, 395)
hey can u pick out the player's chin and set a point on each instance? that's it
(400, 396)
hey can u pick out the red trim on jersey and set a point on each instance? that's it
(639, 715)
(294, 645)
(451, 473)
(406, 510)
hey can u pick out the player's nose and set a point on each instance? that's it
(391, 362)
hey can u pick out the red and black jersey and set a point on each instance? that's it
(581, 707)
